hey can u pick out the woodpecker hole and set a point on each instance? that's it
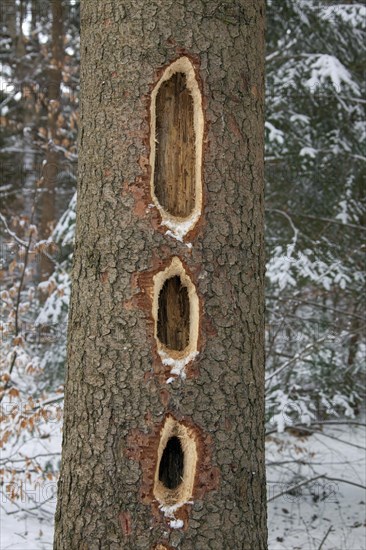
(176, 464)
(173, 314)
(176, 144)
(171, 464)
(174, 174)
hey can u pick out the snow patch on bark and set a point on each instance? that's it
(169, 512)
(176, 523)
(177, 365)
(179, 229)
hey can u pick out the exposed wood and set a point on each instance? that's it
(177, 128)
(174, 176)
(173, 315)
(176, 312)
(177, 460)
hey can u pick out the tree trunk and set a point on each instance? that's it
(164, 405)
(47, 200)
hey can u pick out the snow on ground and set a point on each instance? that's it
(25, 533)
(300, 520)
(27, 523)
(297, 520)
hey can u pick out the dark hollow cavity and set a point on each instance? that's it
(173, 315)
(172, 464)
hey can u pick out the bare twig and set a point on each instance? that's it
(15, 354)
(289, 219)
(277, 53)
(26, 458)
(11, 233)
(347, 481)
(295, 358)
(325, 537)
(48, 402)
(294, 487)
(324, 423)
(337, 439)
(314, 431)
(305, 462)
(328, 220)
(307, 481)
(316, 304)
(29, 510)
(340, 423)
(24, 244)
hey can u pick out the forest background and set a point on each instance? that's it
(315, 224)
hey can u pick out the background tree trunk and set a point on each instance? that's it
(47, 201)
(117, 396)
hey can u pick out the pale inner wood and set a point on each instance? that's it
(174, 171)
(181, 459)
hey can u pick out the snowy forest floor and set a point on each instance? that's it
(316, 499)
(317, 509)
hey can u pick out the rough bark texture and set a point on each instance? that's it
(117, 398)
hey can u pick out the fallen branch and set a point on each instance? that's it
(294, 487)
(307, 481)
(325, 536)
(345, 481)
